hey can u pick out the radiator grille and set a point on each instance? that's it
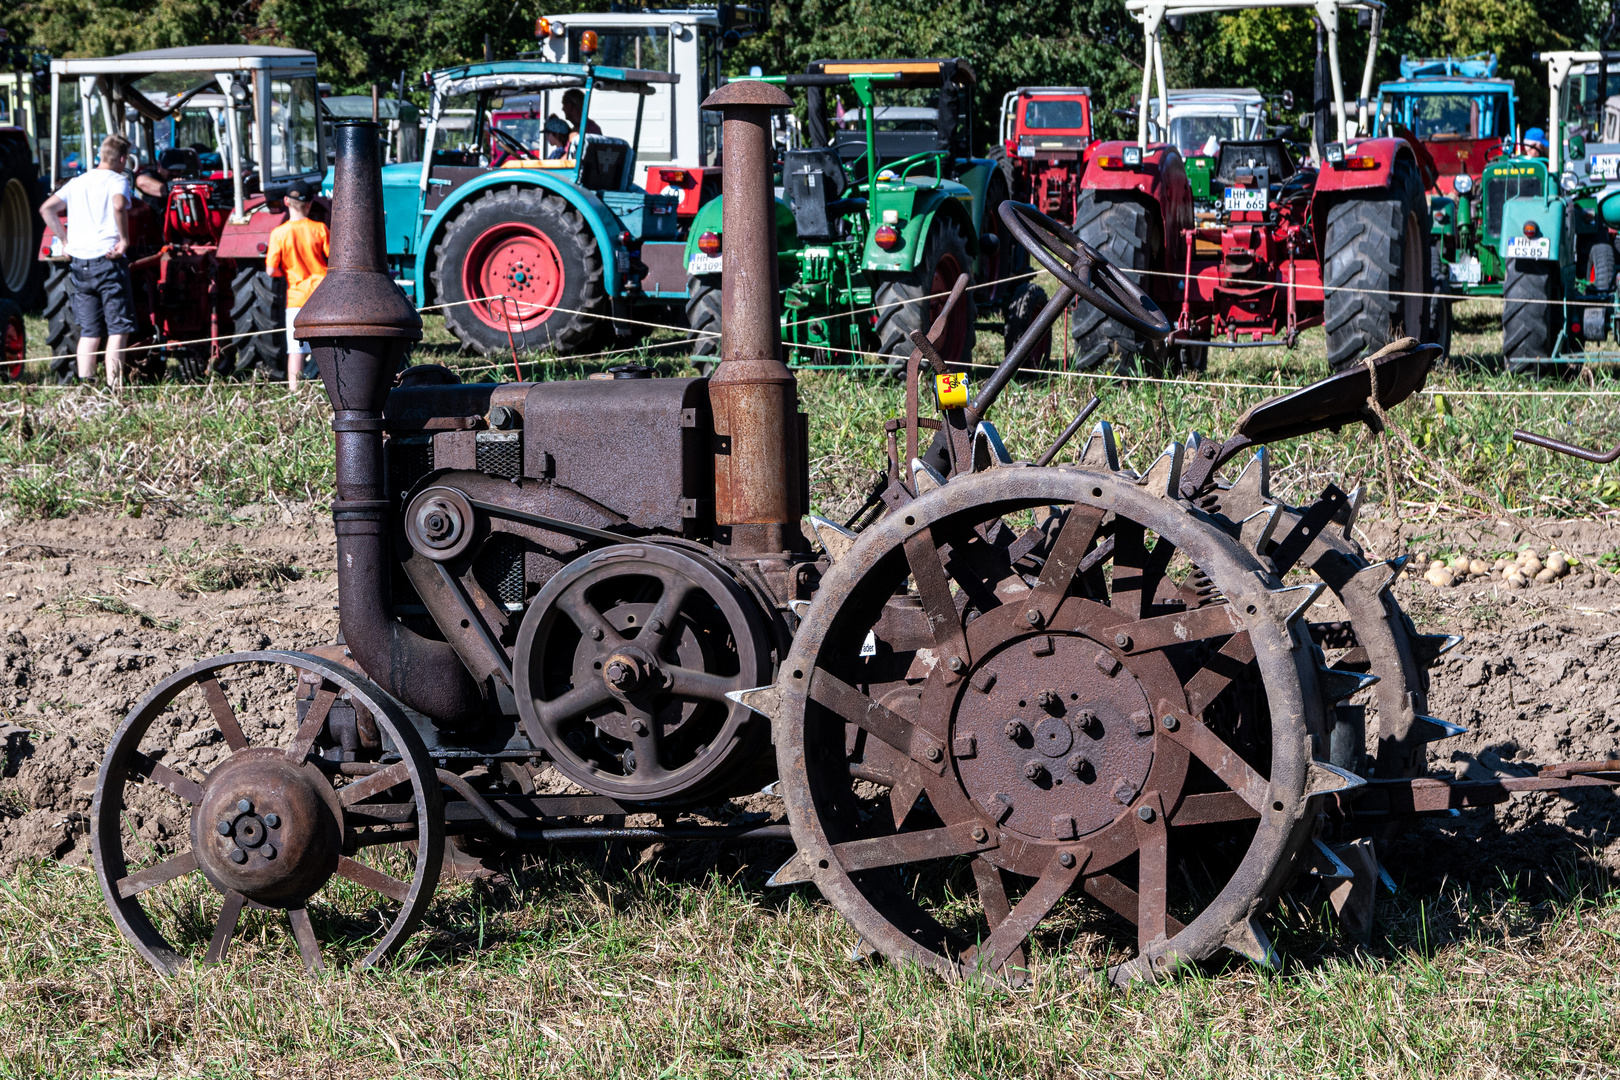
(410, 457)
(499, 568)
(500, 453)
(1502, 186)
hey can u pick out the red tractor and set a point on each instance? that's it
(231, 128)
(1044, 134)
(1340, 242)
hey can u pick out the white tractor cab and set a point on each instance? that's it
(1200, 120)
(248, 114)
(676, 132)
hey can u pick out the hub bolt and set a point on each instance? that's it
(1066, 860)
(1085, 720)
(1048, 698)
(1170, 722)
(244, 807)
(596, 633)
(223, 828)
(980, 835)
(1015, 730)
(656, 626)
(272, 820)
(1033, 617)
(1078, 764)
(238, 855)
(638, 726)
(1035, 771)
(1145, 813)
(268, 851)
(956, 664)
(1122, 640)
(935, 754)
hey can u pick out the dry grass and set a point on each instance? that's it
(577, 972)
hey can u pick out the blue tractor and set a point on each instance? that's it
(528, 240)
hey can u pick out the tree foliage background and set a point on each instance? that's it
(1011, 42)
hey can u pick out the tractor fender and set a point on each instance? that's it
(1442, 216)
(1160, 183)
(604, 225)
(710, 218)
(1374, 162)
(917, 210)
(1554, 239)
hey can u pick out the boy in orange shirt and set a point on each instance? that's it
(299, 248)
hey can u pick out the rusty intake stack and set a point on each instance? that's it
(758, 495)
(360, 326)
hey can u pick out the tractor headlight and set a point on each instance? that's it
(1569, 181)
(1334, 152)
(1463, 184)
(1132, 156)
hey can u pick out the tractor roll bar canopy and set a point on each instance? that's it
(1011, 96)
(114, 79)
(1152, 13)
(1559, 65)
(945, 73)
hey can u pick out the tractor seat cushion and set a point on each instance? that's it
(182, 161)
(1236, 154)
(813, 179)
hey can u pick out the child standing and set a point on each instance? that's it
(299, 248)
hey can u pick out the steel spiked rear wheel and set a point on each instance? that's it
(205, 807)
(1135, 716)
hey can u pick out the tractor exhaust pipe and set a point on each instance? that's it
(758, 462)
(360, 326)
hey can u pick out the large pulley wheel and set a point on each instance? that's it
(1134, 718)
(226, 789)
(1084, 270)
(623, 664)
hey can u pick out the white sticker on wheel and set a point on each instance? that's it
(703, 264)
(1245, 199)
(1523, 247)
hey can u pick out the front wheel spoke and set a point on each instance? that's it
(909, 739)
(934, 590)
(376, 880)
(1068, 553)
(149, 768)
(153, 876)
(587, 618)
(309, 946)
(661, 620)
(379, 781)
(648, 742)
(1153, 873)
(572, 705)
(224, 715)
(1223, 668)
(1179, 628)
(909, 847)
(314, 722)
(1130, 559)
(993, 899)
(1004, 940)
(230, 912)
(1211, 808)
(1222, 760)
(689, 683)
(1121, 899)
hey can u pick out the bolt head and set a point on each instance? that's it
(596, 633)
(1015, 730)
(1033, 617)
(238, 855)
(1034, 770)
(1122, 640)
(272, 820)
(935, 754)
(1066, 860)
(244, 807)
(1079, 763)
(656, 626)
(1085, 719)
(223, 828)
(1145, 813)
(1047, 698)
(980, 834)
(956, 664)
(268, 851)
(1170, 722)
(638, 726)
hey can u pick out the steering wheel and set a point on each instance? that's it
(1084, 271)
(511, 142)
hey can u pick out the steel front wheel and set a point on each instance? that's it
(961, 754)
(227, 790)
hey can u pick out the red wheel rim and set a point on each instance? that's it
(518, 262)
(16, 347)
(946, 271)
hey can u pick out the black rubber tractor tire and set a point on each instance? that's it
(1008, 260)
(1377, 246)
(902, 307)
(257, 306)
(61, 328)
(1438, 329)
(1532, 317)
(1600, 267)
(703, 318)
(550, 230)
(1022, 309)
(22, 274)
(1122, 230)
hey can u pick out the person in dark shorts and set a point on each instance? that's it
(96, 239)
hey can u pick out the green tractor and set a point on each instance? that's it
(878, 216)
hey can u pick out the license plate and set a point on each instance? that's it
(1605, 166)
(1522, 247)
(703, 264)
(1465, 271)
(1245, 199)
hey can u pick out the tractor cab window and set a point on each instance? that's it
(459, 133)
(646, 47)
(1047, 114)
(631, 47)
(1452, 116)
(294, 128)
(1204, 134)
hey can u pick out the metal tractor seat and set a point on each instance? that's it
(182, 161)
(608, 163)
(1253, 154)
(813, 178)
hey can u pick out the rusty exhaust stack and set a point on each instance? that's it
(360, 326)
(754, 396)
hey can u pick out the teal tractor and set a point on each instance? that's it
(1555, 237)
(528, 242)
(878, 216)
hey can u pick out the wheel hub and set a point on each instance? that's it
(267, 827)
(1060, 733)
(629, 670)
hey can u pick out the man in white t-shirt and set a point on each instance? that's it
(96, 239)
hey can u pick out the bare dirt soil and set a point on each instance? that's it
(96, 609)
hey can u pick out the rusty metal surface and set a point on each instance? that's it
(268, 826)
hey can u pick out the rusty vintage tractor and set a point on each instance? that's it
(568, 604)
